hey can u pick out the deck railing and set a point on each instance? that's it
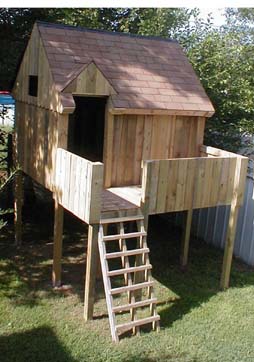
(78, 185)
(191, 183)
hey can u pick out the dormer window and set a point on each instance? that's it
(33, 85)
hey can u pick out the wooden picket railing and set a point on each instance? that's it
(215, 178)
(78, 185)
(191, 183)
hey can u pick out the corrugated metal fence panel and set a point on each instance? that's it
(211, 225)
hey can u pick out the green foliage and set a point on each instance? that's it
(3, 176)
(240, 15)
(16, 26)
(161, 22)
(222, 57)
(224, 61)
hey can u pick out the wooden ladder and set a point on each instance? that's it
(135, 278)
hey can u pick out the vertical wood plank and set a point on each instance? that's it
(186, 239)
(172, 185)
(162, 186)
(230, 182)
(155, 140)
(83, 186)
(208, 182)
(108, 148)
(192, 141)
(155, 166)
(139, 140)
(96, 193)
(145, 196)
(216, 175)
(121, 162)
(200, 133)
(172, 136)
(57, 248)
(88, 191)
(200, 184)
(229, 247)
(190, 187)
(118, 125)
(148, 130)
(242, 163)
(180, 186)
(240, 171)
(178, 137)
(130, 150)
(224, 179)
(91, 269)
(78, 185)
(18, 203)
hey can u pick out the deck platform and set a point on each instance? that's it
(121, 198)
(117, 199)
(215, 177)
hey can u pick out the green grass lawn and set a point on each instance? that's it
(198, 322)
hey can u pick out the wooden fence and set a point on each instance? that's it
(78, 185)
(191, 183)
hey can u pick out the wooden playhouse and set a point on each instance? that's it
(113, 125)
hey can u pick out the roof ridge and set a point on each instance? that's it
(113, 33)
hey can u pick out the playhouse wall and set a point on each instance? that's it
(35, 63)
(130, 139)
(39, 133)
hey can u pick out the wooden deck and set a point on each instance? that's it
(122, 197)
(214, 178)
(112, 201)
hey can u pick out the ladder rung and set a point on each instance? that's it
(129, 270)
(121, 328)
(131, 287)
(122, 219)
(119, 254)
(142, 303)
(124, 236)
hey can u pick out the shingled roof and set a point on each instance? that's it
(145, 72)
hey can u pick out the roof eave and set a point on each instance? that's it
(170, 112)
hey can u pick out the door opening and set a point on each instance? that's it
(86, 128)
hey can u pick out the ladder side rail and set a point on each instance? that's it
(128, 278)
(148, 276)
(107, 285)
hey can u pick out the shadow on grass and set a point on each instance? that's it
(26, 270)
(200, 281)
(36, 345)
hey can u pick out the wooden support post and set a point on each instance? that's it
(139, 277)
(91, 270)
(186, 239)
(18, 203)
(58, 240)
(239, 185)
(99, 270)
(229, 247)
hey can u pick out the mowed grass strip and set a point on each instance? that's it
(198, 322)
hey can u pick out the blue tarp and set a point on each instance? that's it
(6, 99)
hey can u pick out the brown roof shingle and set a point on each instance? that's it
(146, 73)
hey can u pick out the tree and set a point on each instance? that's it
(222, 57)
(240, 15)
(224, 61)
(16, 26)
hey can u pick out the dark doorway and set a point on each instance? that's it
(86, 128)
